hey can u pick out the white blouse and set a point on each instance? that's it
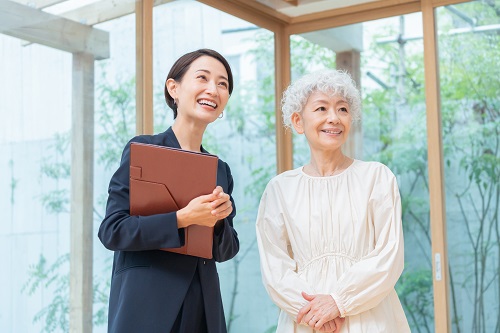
(339, 235)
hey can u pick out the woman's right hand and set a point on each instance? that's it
(200, 210)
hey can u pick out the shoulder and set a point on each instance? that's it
(282, 179)
(373, 169)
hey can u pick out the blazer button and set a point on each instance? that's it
(204, 262)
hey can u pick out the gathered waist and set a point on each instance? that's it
(301, 266)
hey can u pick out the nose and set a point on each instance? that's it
(212, 88)
(333, 117)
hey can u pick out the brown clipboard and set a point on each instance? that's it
(165, 179)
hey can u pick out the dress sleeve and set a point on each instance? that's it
(119, 231)
(278, 268)
(365, 284)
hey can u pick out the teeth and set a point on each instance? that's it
(206, 102)
(332, 132)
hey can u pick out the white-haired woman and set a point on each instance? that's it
(329, 233)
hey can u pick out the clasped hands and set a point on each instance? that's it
(321, 313)
(205, 210)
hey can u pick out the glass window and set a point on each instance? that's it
(115, 125)
(469, 45)
(244, 137)
(35, 159)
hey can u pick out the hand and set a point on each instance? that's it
(332, 325)
(320, 310)
(222, 206)
(205, 210)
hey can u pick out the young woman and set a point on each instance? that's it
(329, 233)
(159, 291)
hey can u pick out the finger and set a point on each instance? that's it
(222, 207)
(303, 312)
(225, 213)
(307, 296)
(218, 190)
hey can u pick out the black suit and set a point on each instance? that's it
(149, 287)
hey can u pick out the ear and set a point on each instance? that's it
(297, 122)
(172, 85)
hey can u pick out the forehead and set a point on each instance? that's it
(327, 97)
(208, 64)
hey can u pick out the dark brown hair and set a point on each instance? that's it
(180, 67)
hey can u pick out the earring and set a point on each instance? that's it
(221, 115)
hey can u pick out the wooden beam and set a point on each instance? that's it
(39, 4)
(102, 11)
(253, 12)
(82, 194)
(436, 174)
(284, 144)
(350, 15)
(144, 66)
(439, 3)
(51, 30)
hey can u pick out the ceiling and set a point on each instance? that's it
(295, 8)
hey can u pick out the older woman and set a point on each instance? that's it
(329, 233)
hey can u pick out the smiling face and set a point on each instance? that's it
(203, 91)
(325, 121)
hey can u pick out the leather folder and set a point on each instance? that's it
(165, 179)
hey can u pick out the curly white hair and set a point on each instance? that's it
(331, 82)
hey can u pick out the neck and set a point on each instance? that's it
(189, 135)
(327, 165)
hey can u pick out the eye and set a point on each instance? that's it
(203, 77)
(321, 108)
(343, 109)
(224, 84)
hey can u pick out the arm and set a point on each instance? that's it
(119, 231)
(226, 244)
(278, 267)
(370, 280)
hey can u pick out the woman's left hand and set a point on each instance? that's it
(320, 310)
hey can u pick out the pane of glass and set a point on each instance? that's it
(115, 125)
(35, 160)
(244, 137)
(469, 48)
(392, 130)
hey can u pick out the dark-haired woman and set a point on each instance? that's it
(159, 291)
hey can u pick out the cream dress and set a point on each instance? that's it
(339, 235)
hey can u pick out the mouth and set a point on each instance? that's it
(335, 131)
(207, 102)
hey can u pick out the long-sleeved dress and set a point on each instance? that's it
(339, 235)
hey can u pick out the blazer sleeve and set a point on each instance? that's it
(278, 268)
(371, 279)
(226, 244)
(119, 231)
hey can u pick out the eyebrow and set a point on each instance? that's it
(208, 72)
(324, 101)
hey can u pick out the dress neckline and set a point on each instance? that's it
(354, 161)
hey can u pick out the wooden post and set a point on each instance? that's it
(284, 146)
(82, 194)
(144, 66)
(436, 174)
(350, 62)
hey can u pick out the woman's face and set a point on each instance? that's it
(325, 121)
(203, 91)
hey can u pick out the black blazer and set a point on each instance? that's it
(148, 286)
